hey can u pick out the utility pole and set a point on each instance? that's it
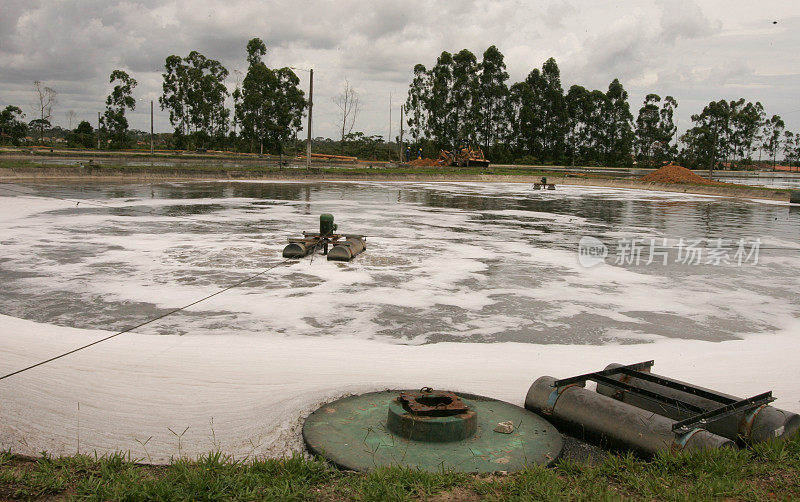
(713, 154)
(151, 127)
(389, 140)
(401, 134)
(310, 108)
(98, 130)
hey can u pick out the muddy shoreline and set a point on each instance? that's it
(170, 174)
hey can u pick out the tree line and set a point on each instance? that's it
(462, 101)
(268, 107)
(459, 101)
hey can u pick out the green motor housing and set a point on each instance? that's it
(326, 225)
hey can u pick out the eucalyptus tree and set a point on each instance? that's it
(578, 100)
(709, 138)
(791, 147)
(746, 121)
(441, 121)
(647, 131)
(619, 130)
(597, 111)
(121, 99)
(519, 94)
(492, 97)
(655, 128)
(194, 92)
(417, 103)
(272, 104)
(464, 104)
(773, 132)
(553, 110)
(542, 112)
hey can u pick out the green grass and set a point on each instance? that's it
(768, 471)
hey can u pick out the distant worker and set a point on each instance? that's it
(408, 154)
(419, 153)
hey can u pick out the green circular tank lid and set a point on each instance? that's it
(430, 430)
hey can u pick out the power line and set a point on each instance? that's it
(243, 281)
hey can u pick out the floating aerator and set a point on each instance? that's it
(345, 248)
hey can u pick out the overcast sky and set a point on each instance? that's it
(694, 50)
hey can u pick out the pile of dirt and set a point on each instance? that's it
(672, 173)
(424, 162)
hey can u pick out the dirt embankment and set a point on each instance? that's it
(673, 173)
(424, 163)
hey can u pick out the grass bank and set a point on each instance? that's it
(768, 471)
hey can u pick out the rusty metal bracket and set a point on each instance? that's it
(428, 402)
(723, 411)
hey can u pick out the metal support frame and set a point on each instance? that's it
(701, 417)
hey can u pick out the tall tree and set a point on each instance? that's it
(417, 103)
(12, 127)
(655, 128)
(464, 98)
(493, 97)
(46, 99)
(647, 131)
(347, 102)
(441, 120)
(773, 132)
(746, 120)
(554, 110)
(194, 92)
(791, 147)
(121, 98)
(578, 106)
(541, 111)
(272, 103)
(620, 132)
(709, 138)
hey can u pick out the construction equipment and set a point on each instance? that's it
(463, 157)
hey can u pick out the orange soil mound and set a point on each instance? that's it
(424, 162)
(672, 173)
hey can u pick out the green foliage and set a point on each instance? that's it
(82, 136)
(270, 105)
(12, 127)
(194, 92)
(773, 132)
(731, 131)
(459, 102)
(791, 148)
(114, 123)
(493, 101)
(655, 129)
